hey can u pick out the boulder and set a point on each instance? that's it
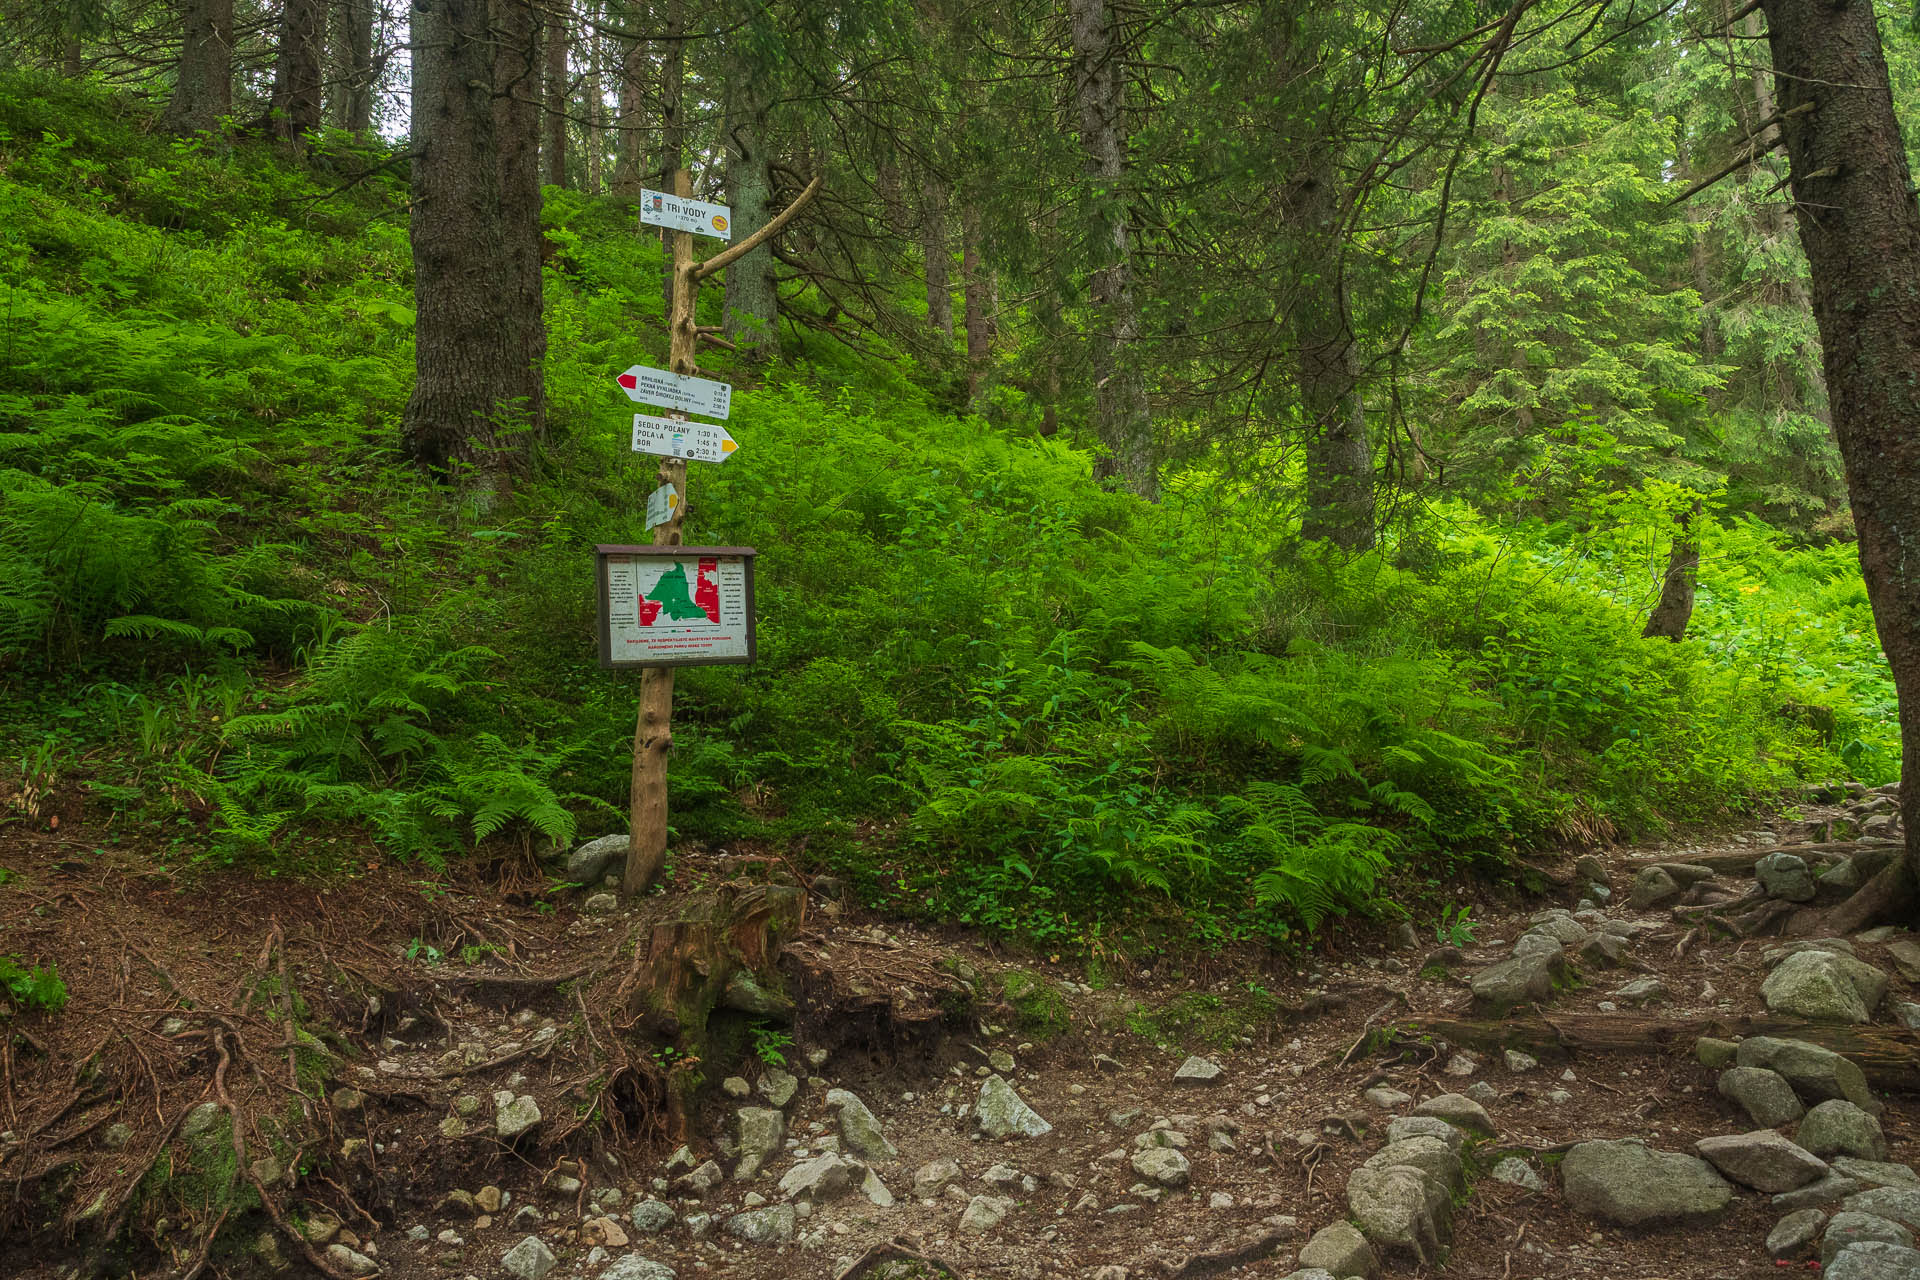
(1875, 1261)
(1905, 954)
(763, 1226)
(1525, 978)
(1163, 1165)
(1815, 1073)
(1765, 1095)
(592, 860)
(1792, 1237)
(1629, 1184)
(1785, 876)
(822, 1178)
(1434, 1159)
(761, 1130)
(1899, 1204)
(1396, 1209)
(858, 1128)
(1875, 1173)
(1340, 1250)
(528, 1260)
(1002, 1113)
(1404, 1127)
(1516, 1172)
(1821, 986)
(1847, 1227)
(1762, 1160)
(1458, 1110)
(1838, 1128)
(1651, 887)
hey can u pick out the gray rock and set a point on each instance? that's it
(1310, 1273)
(1838, 1128)
(761, 1131)
(1874, 1261)
(931, 1178)
(1396, 1210)
(763, 1226)
(635, 1267)
(1842, 877)
(1848, 1227)
(1518, 1062)
(1831, 1189)
(1602, 951)
(1875, 1173)
(1713, 1054)
(984, 1213)
(1905, 954)
(1002, 1113)
(1786, 876)
(529, 1260)
(1458, 1110)
(1404, 1127)
(1199, 1071)
(1762, 1160)
(1651, 887)
(1764, 1095)
(778, 1087)
(1434, 1159)
(745, 994)
(358, 1264)
(1643, 991)
(875, 1190)
(701, 1180)
(1387, 1099)
(1518, 1173)
(1907, 1014)
(201, 1121)
(650, 1217)
(1900, 1204)
(1628, 1183)
(736, 1087)
(600, 904)
(1821, 986)
(1792, 1237)
(1163, 1165)
(821, 1178)
(514, 1116)
(1340, 1250)
(1525, 978)
(1483, 1093)
(858, 1129)
(589, 862)
(1687, 874)
(1815, 1073)
(1564, 930)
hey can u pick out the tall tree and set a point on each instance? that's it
(673, 132)
(516, 123)
(297, 71)
(630, 127)
(752, 305)
(936, 253)
(559, 94)
(1123, 416)
(1853, 197)
(351, 106)
(977, 294)
(203, 85)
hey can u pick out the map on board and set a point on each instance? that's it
(667, 609)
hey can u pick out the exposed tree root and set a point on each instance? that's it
(1198, 1266)
(1888, 898)
(904, 1249)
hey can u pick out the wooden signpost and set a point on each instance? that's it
(653, 732)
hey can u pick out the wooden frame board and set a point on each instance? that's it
(683, 645)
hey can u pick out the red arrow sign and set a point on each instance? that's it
(628, 381)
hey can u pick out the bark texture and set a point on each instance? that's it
(465, 344)
(1123, 417)
(296, 71)
(977, 294)
(559, 97)
(1669, 618)
(203, 89)
(631, 139)
(351, 104)
(935, 255)
(1339, 506)
(516, 123)
(1854, 200)
(673, 133)
(752, 307)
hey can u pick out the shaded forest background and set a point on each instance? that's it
(1216, 465)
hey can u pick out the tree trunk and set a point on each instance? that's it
(593, 132)
(351, 103)
(630, 142)
(673, 135)
(468, 354)
(752, 308)
(1669, 618)
(1339, 503)
(936, 257)
(559, 102)
(203, 90)
(1122, 415)
(1853, 196)
(516, 123)
(976, 293)
(296, 71)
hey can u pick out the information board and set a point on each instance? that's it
(675, 606)
(648, 385)
(678, 213)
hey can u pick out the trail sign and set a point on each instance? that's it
(663, 504)
(675, 606)
(645, 385)
(678, 438)
(659, 209)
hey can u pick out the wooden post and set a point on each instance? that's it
(653, 733)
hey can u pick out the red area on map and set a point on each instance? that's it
(649, 610)
(705, 594)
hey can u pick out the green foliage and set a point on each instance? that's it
(1456, 926)
(1039, 1010)
(770, 1045)
(38, 987)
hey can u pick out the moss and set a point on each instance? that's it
(1039, 1009)
(1203, 1017)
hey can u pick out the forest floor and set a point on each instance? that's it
(416, 999)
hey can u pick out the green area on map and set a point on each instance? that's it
(670, 593)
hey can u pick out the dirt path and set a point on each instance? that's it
(181, 1000)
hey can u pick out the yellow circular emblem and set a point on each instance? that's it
(719, 222)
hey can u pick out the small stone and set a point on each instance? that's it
(1785, 876)
(603, 1231)
(635, 1267)
(1399, 1209)
(821, 1178)
(1517, 1172)
(701, 1181)
(763, 1226)
(1831, 1189)
(984, 1213)
(650, 1217)
(1000, 1112)
(1483, 1093)
(761, 1131)
(1199, 1071)
(1339, 1249)
(1792, 1237)
(1458, 1110)
(601, 904)
(735, 1087)
(201, 1120)
(778, 1087)
(1643, 991)
(1163, 1165)
(529, 1260)
(931, 1178)
(1387, 1099)
(358, 1264)
(1517, 1061)
(489, 1199)
(1907, 1014)
(1462, 1064)
(1714, 1054)
(1651, 887)
(588, 863)
(514, 1116)
(1404, 1127)
(1762, 1160)
(858, 1127)
(1219, 1200)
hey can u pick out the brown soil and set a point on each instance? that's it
(230, 955)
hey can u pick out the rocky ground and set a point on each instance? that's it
(1609, 1085)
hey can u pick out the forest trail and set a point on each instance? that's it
(1197, 1123)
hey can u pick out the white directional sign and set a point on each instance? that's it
(660, 209)
(646, 385)
(678, 438)
(663, 504)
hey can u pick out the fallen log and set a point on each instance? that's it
(1890, 1056)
